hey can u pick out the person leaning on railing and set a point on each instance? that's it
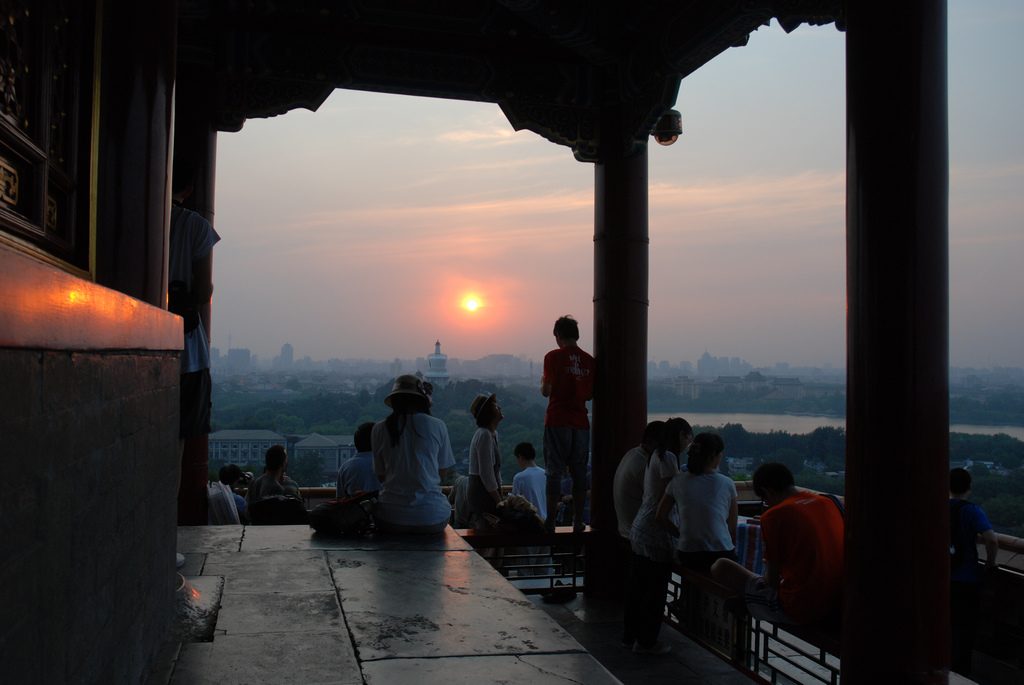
(967, 524)
(653, 546)
(803, 554)
(706, 504)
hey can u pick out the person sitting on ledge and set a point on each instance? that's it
(233, 477)
(356, 473)
(273, 481)
(411, 456)
(803, 554)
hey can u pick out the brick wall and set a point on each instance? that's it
(87, 513)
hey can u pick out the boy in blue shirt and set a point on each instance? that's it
(965, 582)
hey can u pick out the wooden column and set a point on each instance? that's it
(134, 144)
(620, 341)
(896, 616)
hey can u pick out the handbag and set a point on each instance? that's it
(344, 516)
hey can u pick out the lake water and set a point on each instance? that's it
(764, 423)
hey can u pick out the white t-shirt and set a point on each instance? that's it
(485, 459)
(192, 237)
(628, 488)
(647, 538)
(411, 493)
(531, 483)
(703, 504)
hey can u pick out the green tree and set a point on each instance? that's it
(820, 483)
(289, 424)
(307, 470)
(1005, 512)
(828, 445)
(791, 458)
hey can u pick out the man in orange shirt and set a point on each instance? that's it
(803, 553)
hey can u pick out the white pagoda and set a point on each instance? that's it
(438, 371)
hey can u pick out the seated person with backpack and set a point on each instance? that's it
(356, 473)
(273, 481)
(274, 498)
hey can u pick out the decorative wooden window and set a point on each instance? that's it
(45, 116)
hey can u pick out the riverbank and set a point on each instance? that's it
(802, 424)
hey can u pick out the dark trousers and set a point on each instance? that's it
(645, 600)
(963, 621)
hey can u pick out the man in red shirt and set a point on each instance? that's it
(803, 554)
(568, 383)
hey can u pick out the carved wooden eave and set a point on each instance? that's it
(555, 67)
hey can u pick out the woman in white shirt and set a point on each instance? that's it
(652, 546)
(705, 501)
(411, 455)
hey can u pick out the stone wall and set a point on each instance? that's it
(87, 513)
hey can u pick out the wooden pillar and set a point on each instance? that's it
(896, 614)
(620, 341)
(195, 139)
(134, 145)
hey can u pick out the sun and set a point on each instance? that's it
(471, 303)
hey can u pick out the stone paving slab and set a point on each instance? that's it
(196, 604)
(269, 572)
(287, 612)
(194, 539)
(425, 604)
(311, 658)
(541, 669)
(259, 538)
(299, 607)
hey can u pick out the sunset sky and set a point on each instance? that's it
(360, 230)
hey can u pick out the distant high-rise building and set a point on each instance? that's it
(396, 368)
(437, 373)
(239, 359)
(285, 360)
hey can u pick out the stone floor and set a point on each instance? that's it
(283, 604)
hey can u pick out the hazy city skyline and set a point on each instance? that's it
(359, 231)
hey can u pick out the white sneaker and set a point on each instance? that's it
(658, 649)
(180, 559)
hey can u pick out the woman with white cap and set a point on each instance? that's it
(411, 454)
(484, 460)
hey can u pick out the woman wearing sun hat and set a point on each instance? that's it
(484, 460)
(411, 454)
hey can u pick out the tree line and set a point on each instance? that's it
(810, 456)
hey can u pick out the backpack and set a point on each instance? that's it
(344, 516)
(836, 501)
(957, 542)
(278, 510)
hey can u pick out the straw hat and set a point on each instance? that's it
(479, 401)
(409, 384)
